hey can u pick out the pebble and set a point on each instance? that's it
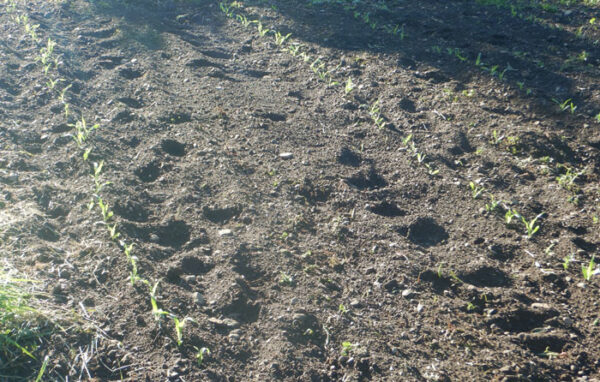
(408, 293)
(420, 308)
(540, 306)
(190, 279)
(356, 303)
(154, 237)
(286, 155)
(225, 322)
(225, 232)
(199, 299)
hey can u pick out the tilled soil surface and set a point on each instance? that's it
(311, 229)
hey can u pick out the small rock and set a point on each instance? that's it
(190, 279)
(229, 323)
(154, 238)
(391, 285)
(540, 306)
(286, 155)
(225, 232)
(355, 303)
(568, 321)
(199, 299)
(420, 308)
(408, 293)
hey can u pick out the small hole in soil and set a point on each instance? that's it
(131, 210)
(275, 117)
(174, 234)
(584, 244)
(62, 128)
(242, 309)
(427, 232)
(130, 74)
(387, 209)
(521, 320)
(131, 102)
(149, 172)
(485, 277)
(172, 147)
(349, 158)
(191, 265)
(220, 215)
(370, 181)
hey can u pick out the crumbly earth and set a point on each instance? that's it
(305, 242)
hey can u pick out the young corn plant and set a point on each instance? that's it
(280, 39)
(349, 87)
(475, 190)
(531, 225)
(262, 31)
(200, 353)
(589, 270)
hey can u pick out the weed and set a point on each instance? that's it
(342, 309)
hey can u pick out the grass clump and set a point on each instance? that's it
(22, 328)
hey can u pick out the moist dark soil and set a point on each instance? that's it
(305, 242)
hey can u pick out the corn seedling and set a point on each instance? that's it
(244, 20)
(496, 138)
(112, 230)
(567, 180)
(347, 348)
(475, 190)
(105, 210)
(280, 39)
(509, 215)
(261, 29)
(61, 96)
(86, 153)
(531, 227)
(200, 353)
(285, 279)
(294, 49)
(225, 8)
(342, 309)
(431, 170)
(565, 105)
(375, 114)
(589, 270)
(179, 325)
(567, 261)
(349, 86)
(598, 117)
(156, 311)
(492, 205)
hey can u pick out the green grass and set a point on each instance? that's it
(22, 328)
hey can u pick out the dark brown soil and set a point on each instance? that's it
(275, 213)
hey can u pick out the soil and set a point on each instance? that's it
(305, 242)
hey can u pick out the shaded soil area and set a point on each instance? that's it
(312, 229)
